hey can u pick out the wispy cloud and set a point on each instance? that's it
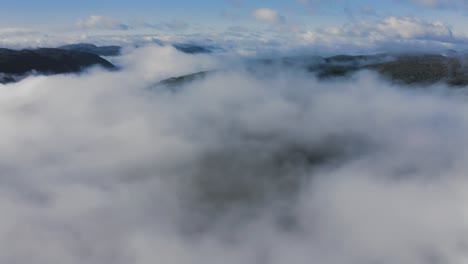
(102, 22)
(172, 25)
(11, 32)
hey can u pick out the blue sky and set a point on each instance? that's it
(48, 12)
(285, 23)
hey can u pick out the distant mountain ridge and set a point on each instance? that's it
(193, 49)
(421, 69)
(91, 48)
(116, 50)
(15, 63)
(73, 58)
(408, 69)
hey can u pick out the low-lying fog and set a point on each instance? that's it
(98, 168)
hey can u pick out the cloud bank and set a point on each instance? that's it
(101, 22)
(273, 167)
(272, 34)
(387, 34)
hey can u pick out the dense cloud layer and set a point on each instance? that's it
(233, 168)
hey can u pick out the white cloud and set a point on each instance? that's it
(22, 38)
(396, 32)
(235, 168)
(395, 27)
(12, 32)
(155, 63)
(410, 27)
(171, 26)
(268, 15)
(101, 22)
